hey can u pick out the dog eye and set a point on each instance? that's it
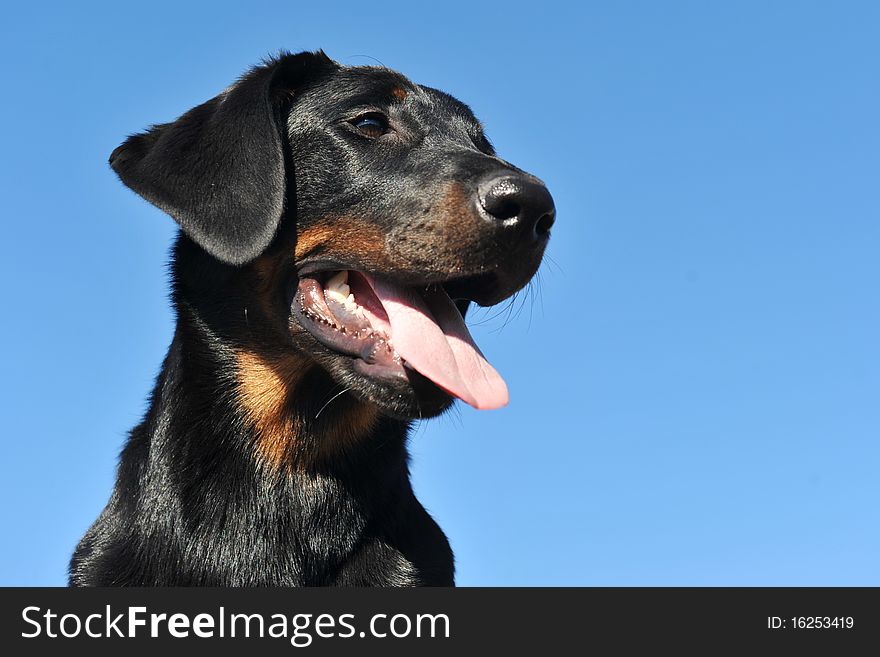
(371, 125)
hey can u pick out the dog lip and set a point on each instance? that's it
(482, 287)
(316, 267)
(371, 355)
(347, 335)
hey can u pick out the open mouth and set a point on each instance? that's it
(388, 328)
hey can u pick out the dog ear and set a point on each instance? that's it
(219, 168)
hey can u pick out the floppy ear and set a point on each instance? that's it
(219, 168)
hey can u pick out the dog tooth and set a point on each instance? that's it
(338, 280)
(331, 294)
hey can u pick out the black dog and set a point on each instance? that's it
(336, 222)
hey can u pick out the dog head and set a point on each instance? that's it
(356, 214)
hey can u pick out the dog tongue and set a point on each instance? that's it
(428, 332)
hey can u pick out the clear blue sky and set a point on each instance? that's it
(695, 393)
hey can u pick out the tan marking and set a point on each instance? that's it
(399, 93)
(342, 236)
(340, 431)
(459, 211)
(444, 240)
(265, 386)
(285, 438)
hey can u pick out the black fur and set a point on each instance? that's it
(203, 494)
(219, 169)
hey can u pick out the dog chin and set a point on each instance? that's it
(408, 397)
(396, 389)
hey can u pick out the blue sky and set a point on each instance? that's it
(695, 392)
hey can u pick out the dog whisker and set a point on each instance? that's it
(334, 397)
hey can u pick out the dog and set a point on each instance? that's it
(335, 224)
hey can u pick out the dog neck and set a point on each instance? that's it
(249, 464)
(253, 467)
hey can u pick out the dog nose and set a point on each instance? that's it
(517, 200)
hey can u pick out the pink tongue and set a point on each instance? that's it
(435, 342)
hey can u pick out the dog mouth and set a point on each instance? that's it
(389, 328)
